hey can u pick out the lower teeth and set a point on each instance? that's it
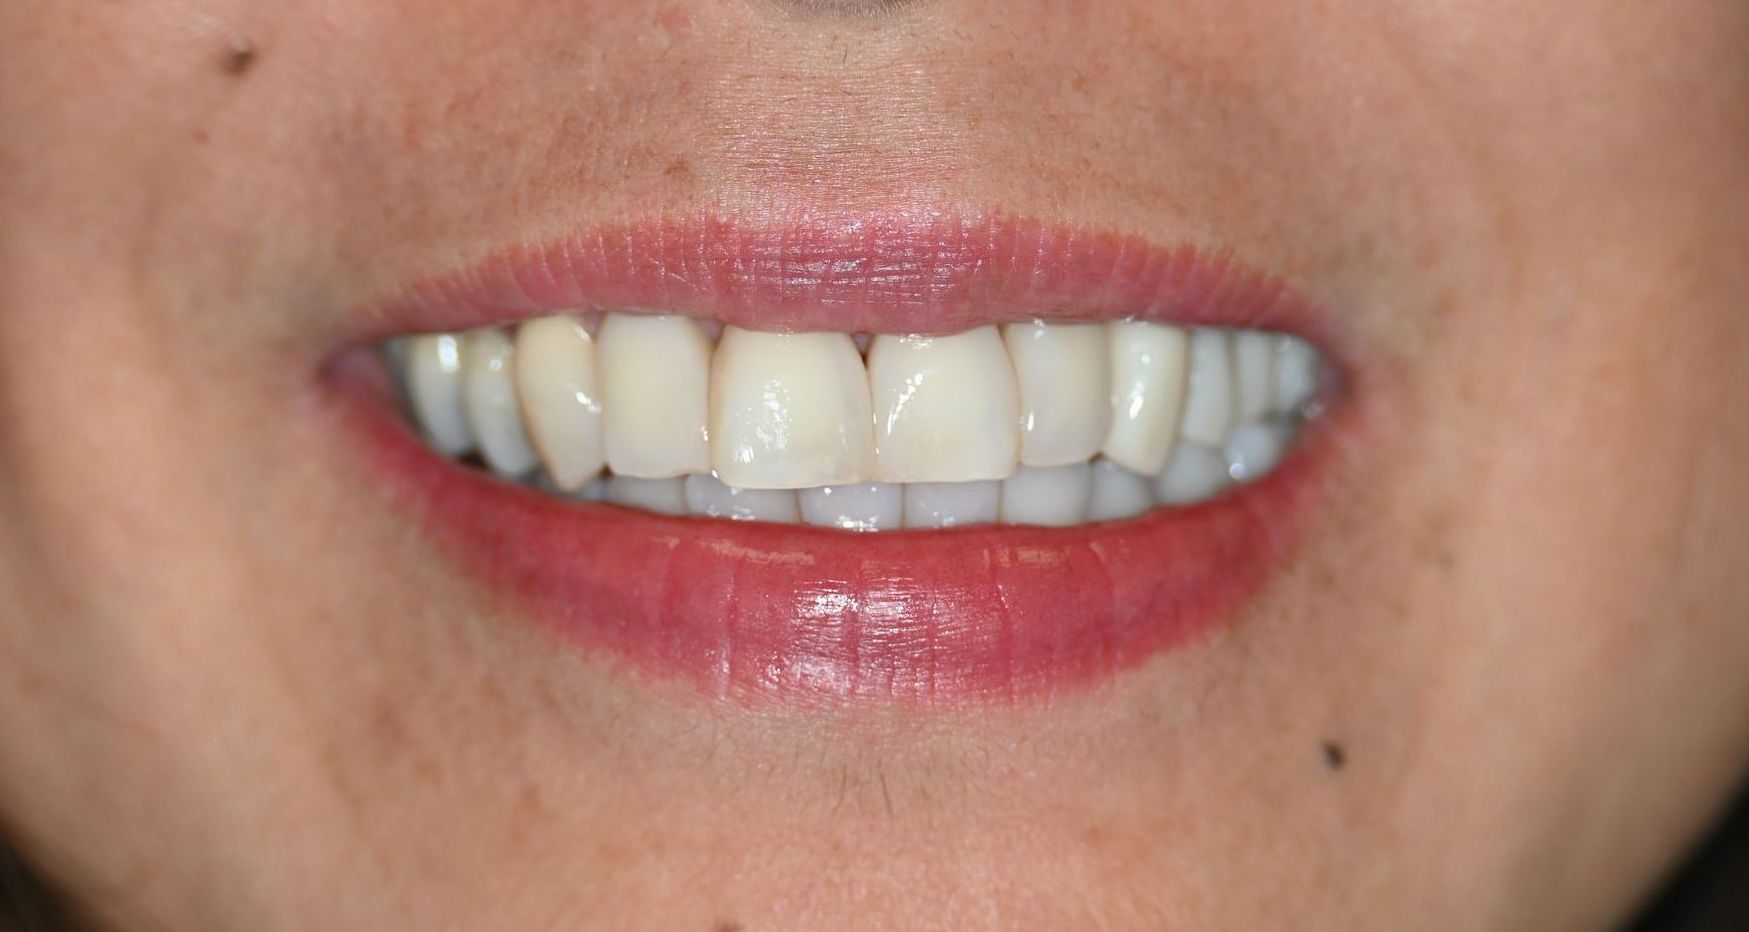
(1033, 424)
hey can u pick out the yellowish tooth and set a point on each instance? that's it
(561, 401)
(434, 391)
(1149, 365)
(789, 411)
(655, 395)
(946, 408)
(489, 398)
(1064, 374)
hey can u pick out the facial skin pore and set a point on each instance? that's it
(1501, 686)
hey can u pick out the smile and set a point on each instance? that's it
(876, 460)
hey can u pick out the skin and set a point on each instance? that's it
(240, 689)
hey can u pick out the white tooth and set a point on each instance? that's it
(952, 504)
(1253, 372)
(662, 496)
(1064, 373)
(655, 390)
(1256, 448)
(1047, 496)
(561, 403)
(1195, 474)
(595, 490)
(707, 496)
(1148, 366)
(1118, 493)
(1297, 366)
(434, 390)
(1208, 400)
(946, 408)
(789, 410)
(489, 398)
(870, 506)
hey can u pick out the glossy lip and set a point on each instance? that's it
(812, 616)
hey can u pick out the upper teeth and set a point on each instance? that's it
(990, 424)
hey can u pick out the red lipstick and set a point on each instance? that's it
(812, 616)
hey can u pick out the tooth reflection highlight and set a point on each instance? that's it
(707, 496)
(869, 506)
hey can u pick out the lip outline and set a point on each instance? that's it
(1255, 527)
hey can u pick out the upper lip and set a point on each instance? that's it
(790, 611)
(922, 272)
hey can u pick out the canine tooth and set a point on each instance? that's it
(952, 504)
(561, 402)
(434, 390)
(662, 496)
(1195, 474)
(707, 496)
(489, 398)
(1118, 493)
(868, 506)
(1256, 448)
(1047, 496)
(655, 390)
(1064, 374)
(946, 408)
(1208, 399)
(789, 410)
(1148, 367)
(1253, 372)
(1297, 366)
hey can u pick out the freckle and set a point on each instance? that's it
(1335, 757)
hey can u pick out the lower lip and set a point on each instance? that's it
(816, 617)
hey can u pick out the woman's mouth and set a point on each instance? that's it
(1024, 459)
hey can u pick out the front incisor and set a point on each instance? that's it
(946, 409)
(790, 411)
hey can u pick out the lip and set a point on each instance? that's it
(816, 617)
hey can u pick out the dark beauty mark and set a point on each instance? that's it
(238, 57)
(1334, 756)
